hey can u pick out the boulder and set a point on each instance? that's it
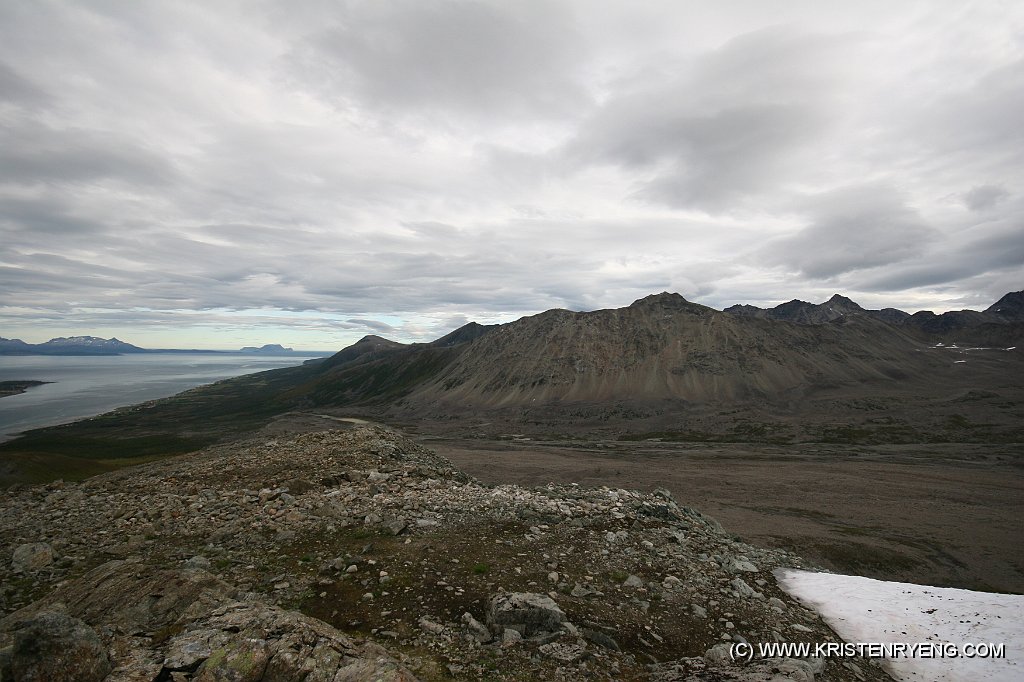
(525, 612)
(740, 564)
(31, 557)
(52, 646)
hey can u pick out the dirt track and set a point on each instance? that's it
(945, 515)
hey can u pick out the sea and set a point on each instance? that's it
(85, 386)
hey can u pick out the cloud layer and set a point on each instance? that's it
(222, 174)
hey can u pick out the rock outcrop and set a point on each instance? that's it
(360, 555)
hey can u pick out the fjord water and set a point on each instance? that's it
(85, 386)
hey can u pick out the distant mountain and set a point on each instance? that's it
(996, 324)
(802, 312)
(69, 345)
(662, 347)
(14, 346)
(267, 349)
(667, 364)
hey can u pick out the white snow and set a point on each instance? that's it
(867, 610)
(957, 362)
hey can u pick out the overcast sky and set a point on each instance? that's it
(218, 174)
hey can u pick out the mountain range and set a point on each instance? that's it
(1007, 310)
(92, 345)
(661, 347)
(68, 345)
(664, 366)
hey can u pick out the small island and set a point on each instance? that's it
(270, 349)
(8, 388)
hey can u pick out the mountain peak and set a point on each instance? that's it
(664, 299)
(373, 338)
(1010, 306)
(841, 300)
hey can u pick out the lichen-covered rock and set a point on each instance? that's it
(52, 646)
(133, 597)
(186, 618)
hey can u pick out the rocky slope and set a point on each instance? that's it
(359, 555)
(664, 347)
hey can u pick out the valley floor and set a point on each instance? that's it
(937, 514)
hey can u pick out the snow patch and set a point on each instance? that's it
(866, 610)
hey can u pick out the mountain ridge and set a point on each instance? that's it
(69, 345)
(1008, 309)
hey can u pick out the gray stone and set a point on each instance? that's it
(475, 628)
(198, 561)
(430, 626)
(526, 612)
(510, 637)
(797, 670)
(600, 639)
(579, 590)
(740, 565)
(567, 653)
(742, 588)
(31, 557)
(188, 650)
(718, 654)
(633, 581)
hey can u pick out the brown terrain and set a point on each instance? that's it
(946, 515)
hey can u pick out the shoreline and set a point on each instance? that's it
(9, 388)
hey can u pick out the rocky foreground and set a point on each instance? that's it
(360, 555)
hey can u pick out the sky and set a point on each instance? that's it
(219, 174)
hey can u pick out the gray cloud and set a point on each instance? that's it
(31, 153)
(335, 169)
(974, 256)
(983, 197)
(852, 229)
(43, 215)
(738, 121)
(17, 90)
(378, 327)
(410, 56)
